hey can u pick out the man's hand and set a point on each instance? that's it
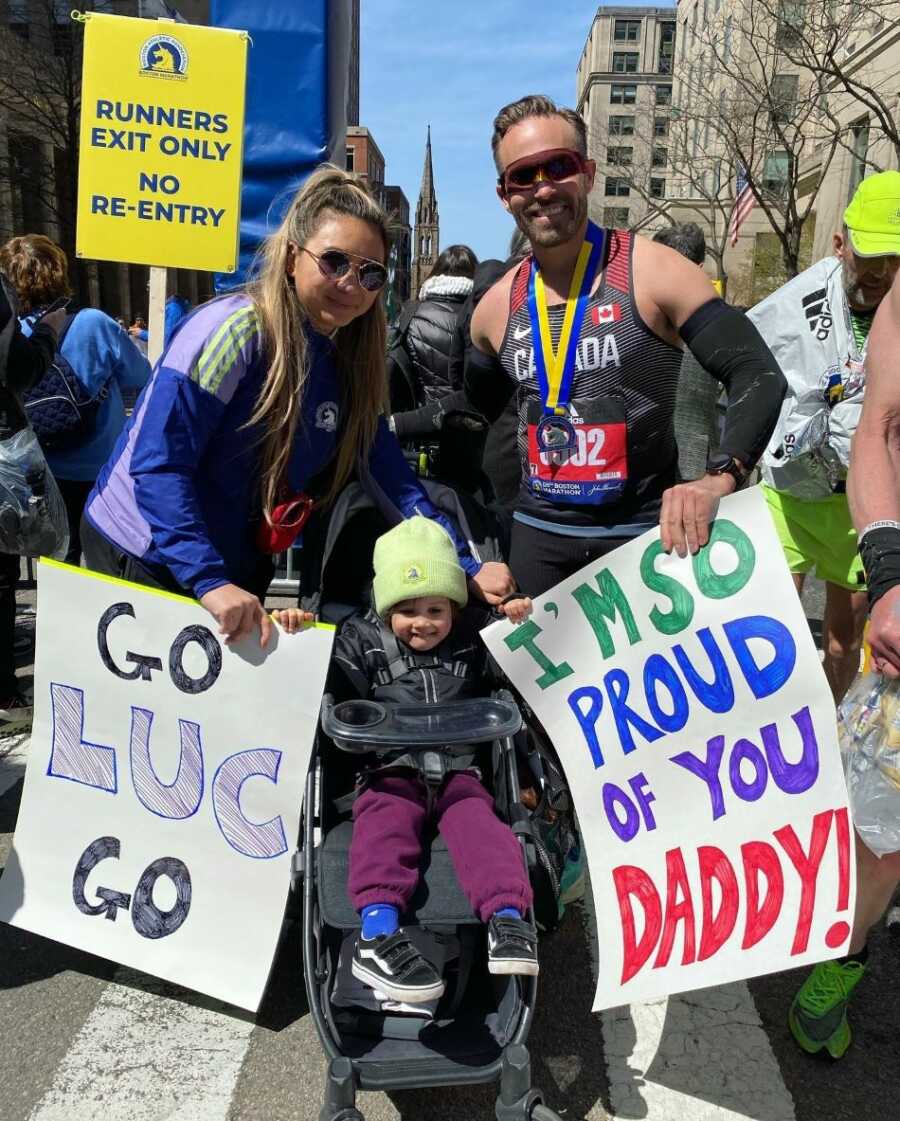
(883, 634)
(687, 511)
(238, 614)
(493, 582)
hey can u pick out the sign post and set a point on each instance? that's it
(164, 783)
(692, 716)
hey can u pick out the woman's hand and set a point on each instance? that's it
(238, 613)
(493, 582)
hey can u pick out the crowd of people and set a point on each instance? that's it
(266, 402)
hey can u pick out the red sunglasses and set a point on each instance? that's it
(556, 164)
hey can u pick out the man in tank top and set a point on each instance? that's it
(588, 334)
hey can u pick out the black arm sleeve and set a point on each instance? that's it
(486, 385)
(729, 347)
(427, 420)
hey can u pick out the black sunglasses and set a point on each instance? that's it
(556, 165)
(334, 264)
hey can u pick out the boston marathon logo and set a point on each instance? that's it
(164, 57)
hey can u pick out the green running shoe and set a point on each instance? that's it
(818, 1015)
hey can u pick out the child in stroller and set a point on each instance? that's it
(419, 648)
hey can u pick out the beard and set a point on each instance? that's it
(563, 226)
(863, 298)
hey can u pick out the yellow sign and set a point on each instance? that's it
(162, 126)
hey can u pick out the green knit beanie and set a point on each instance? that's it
(416, 558)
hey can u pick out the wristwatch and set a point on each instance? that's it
(721, 463)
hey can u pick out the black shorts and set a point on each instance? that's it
(539, 559)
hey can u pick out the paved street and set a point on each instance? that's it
(85, 1039)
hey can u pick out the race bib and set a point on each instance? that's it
(595, 470)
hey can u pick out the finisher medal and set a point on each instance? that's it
(556, 436)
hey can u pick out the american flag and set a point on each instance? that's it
(744, 202)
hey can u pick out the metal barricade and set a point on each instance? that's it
(286, 581)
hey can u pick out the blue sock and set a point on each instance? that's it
(379, 918)
(508, 913)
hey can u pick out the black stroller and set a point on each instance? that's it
(477, 1032)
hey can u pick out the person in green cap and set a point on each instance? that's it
(817, 326)
(419, 646)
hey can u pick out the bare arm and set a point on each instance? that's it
(873, 485)
(668, 288)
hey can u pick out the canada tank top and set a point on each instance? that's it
(618, 357)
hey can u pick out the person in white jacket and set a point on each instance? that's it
(817, 327)
(818, 1015)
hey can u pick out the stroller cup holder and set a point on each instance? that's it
(366, 725)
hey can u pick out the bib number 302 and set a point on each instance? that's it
(590, 444)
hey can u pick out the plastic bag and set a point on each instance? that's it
(33, 520)
(869, 732)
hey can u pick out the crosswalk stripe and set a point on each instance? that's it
(702, 1055)
(143, 1054)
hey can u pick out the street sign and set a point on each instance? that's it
(162, 125)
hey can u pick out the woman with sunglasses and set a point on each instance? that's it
(262, 398)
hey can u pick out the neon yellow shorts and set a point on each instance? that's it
(818, 535)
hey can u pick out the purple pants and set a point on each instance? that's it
(388, 820)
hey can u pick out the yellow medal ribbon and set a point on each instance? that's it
(556, 366)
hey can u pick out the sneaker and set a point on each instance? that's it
(512, 946)
(818, 1015)
(393, 965)
(15, 715)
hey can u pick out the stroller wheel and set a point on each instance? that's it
(351, 1115)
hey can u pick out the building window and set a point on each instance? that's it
(784, 97)
(619, 156)
(621, 94)
(18, 18)
(627, 31)
(615, 216)
(660, 157)
(661, 126)
(859, 133)
(791, 17)
(726, 40)
(621, 126)
(61, 32)
(666, 48)
(625, 62)
(658, 188)
(663, 95)
(616, 186)
(776, 173)
(349, 158)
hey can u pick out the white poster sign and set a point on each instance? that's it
(165, 778)
(691, 714)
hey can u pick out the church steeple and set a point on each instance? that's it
(427, 232)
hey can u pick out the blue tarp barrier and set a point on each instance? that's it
(296, 104)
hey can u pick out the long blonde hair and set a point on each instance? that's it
(360, 346)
